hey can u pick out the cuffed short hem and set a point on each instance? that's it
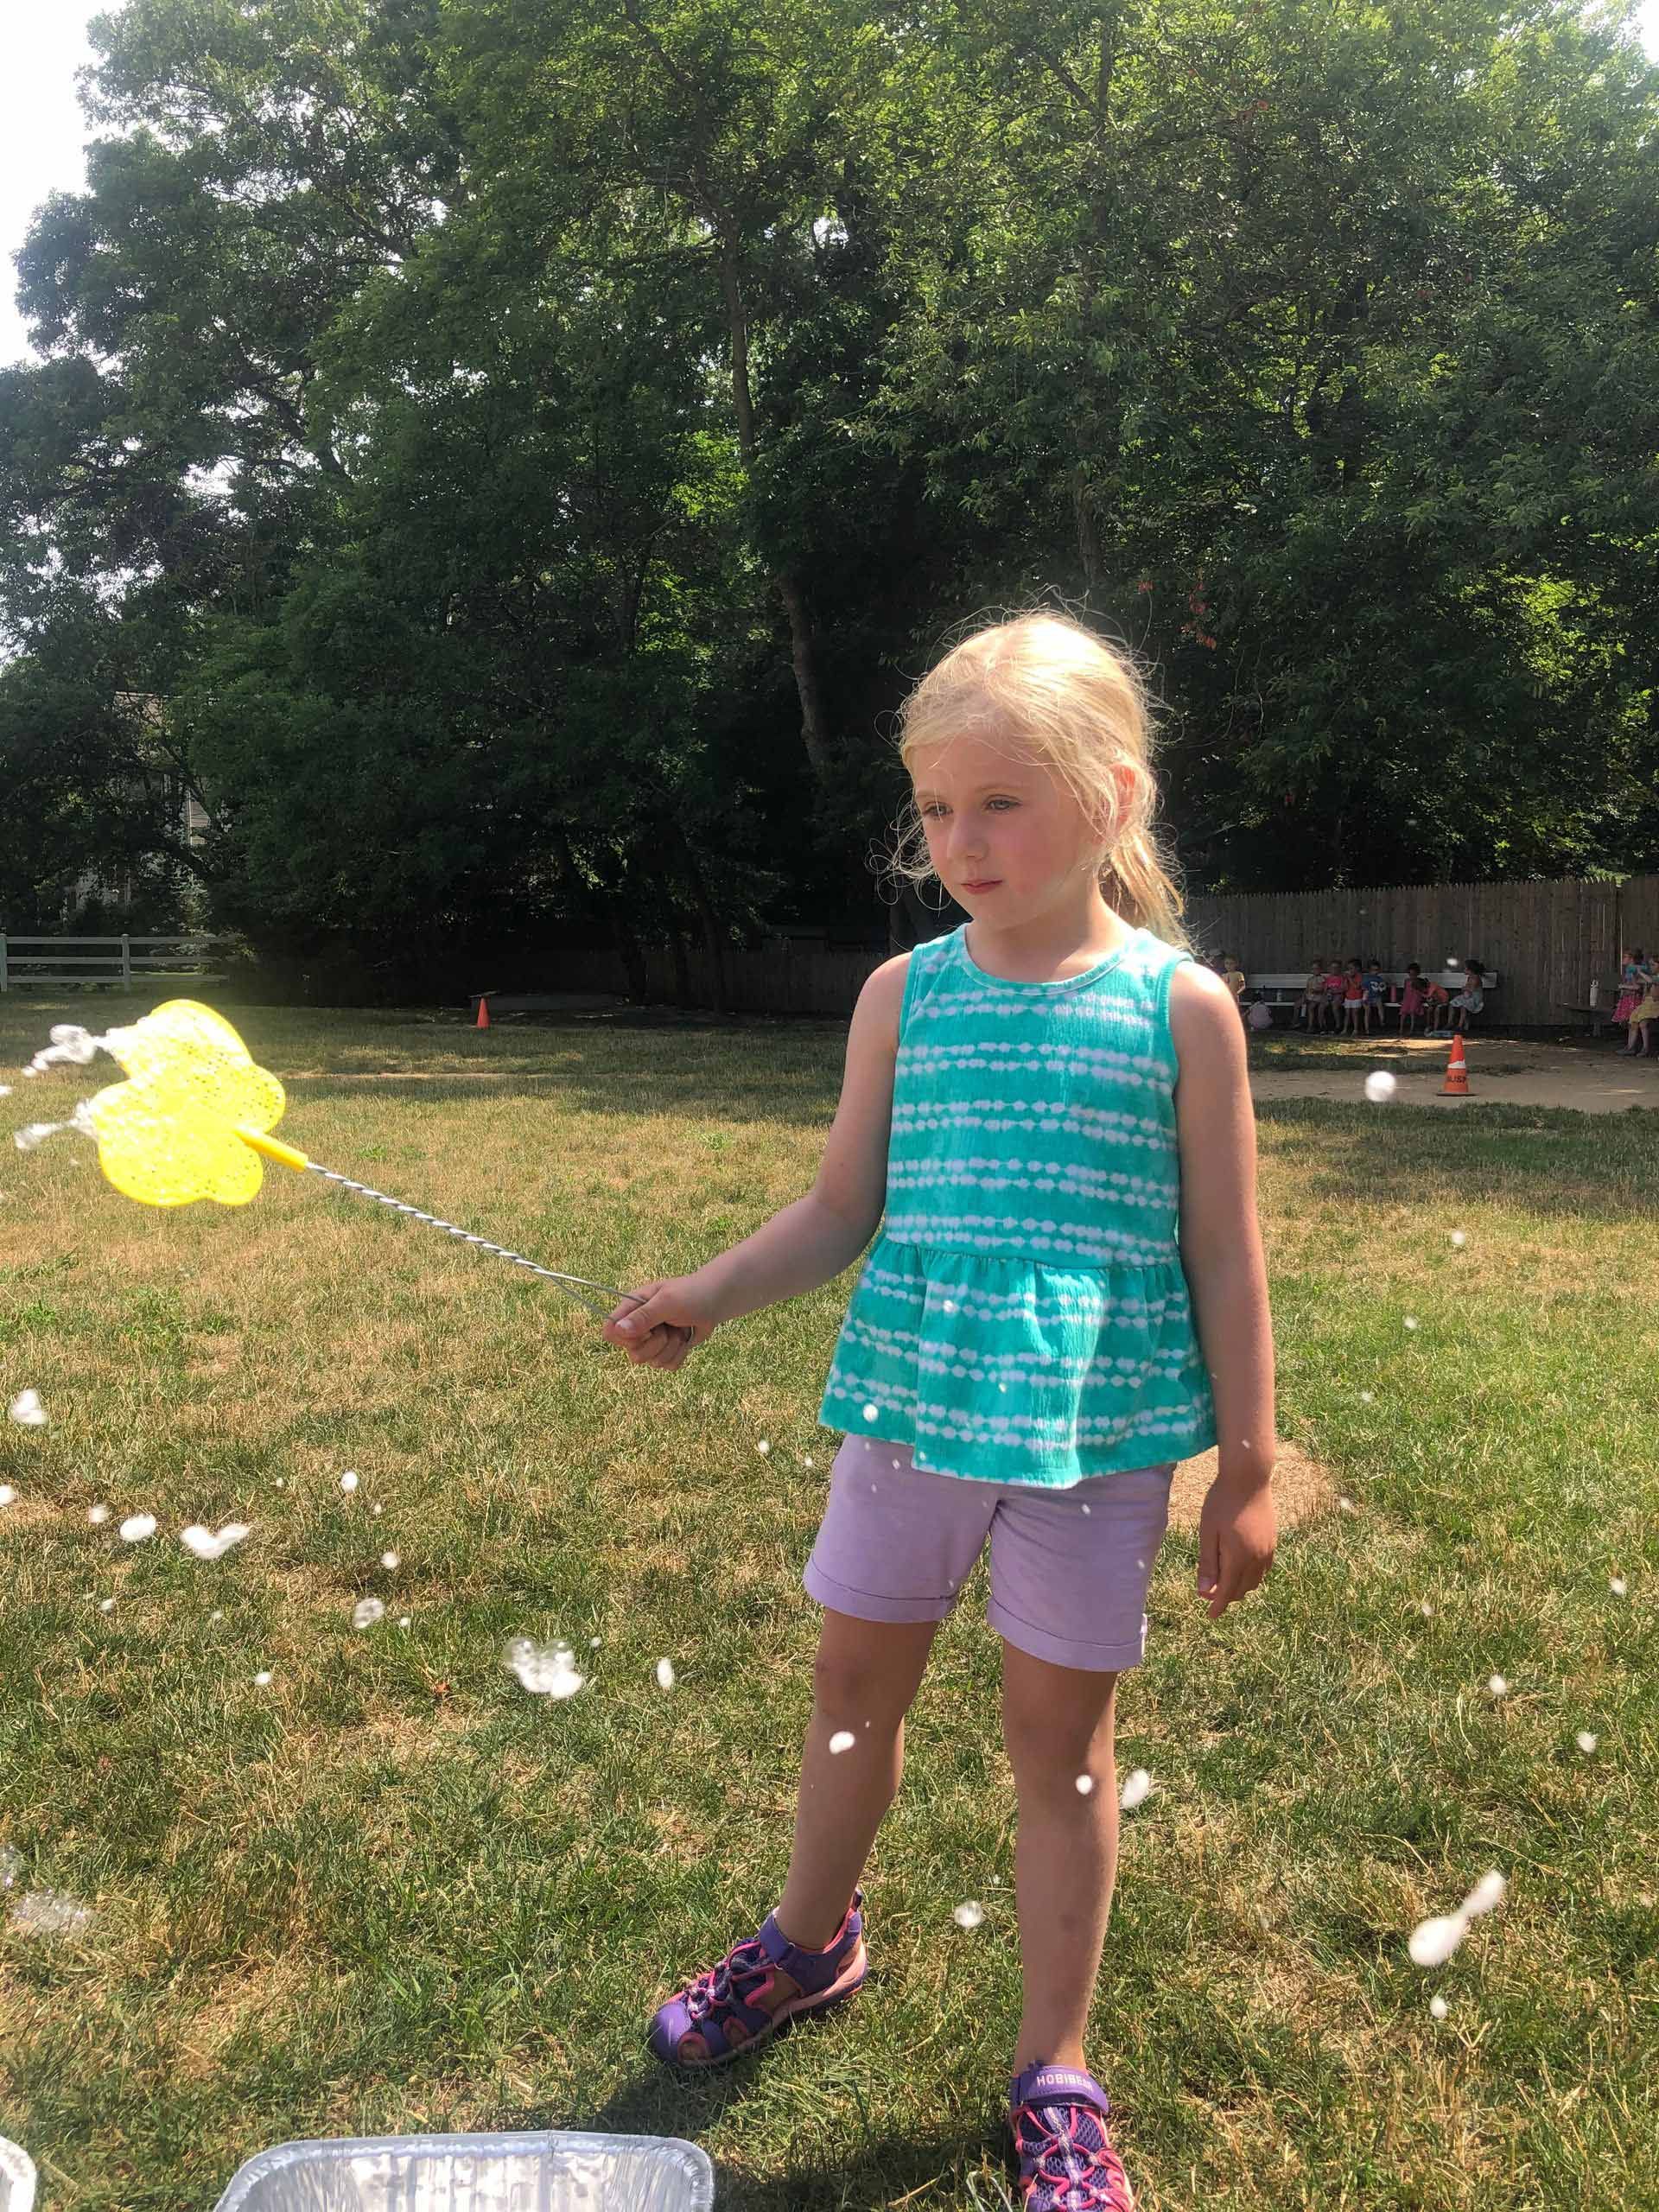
(866, 1605)
(1058, 1651)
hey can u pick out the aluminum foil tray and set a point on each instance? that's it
(17, 2178)
(557, 2170)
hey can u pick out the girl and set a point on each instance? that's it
(1053, 1100)
(1310, 1014)
(1437, 1001)
(1471, 999)
(1353, 997)
(1642, 1016)
(1632, 978)
(1335, 989)
(1414, 996)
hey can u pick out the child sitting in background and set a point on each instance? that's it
(1376, 992)
(1310, 1014)
(1414, 997)
(1643, 1014)
(1437, 1008)
(1335, 989)
(1471, 999)
(1353, 997)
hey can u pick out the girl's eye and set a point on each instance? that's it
(936, 808)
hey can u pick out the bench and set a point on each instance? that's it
(1286, 991)
(1599, 1011)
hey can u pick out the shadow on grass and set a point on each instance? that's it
(860, 2172)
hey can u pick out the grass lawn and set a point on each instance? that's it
(390, 1891)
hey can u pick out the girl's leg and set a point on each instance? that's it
(1058, 1723)
(865, 1676)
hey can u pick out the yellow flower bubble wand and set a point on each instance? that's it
(193, 1121)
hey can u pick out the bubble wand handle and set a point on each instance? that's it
(287, 1156)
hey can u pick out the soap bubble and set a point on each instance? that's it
(367, 1612)
(1617, 1585)
(869, 1412)
(665, 1674)
(27, 1410)
(842, 1740)
(1497, 1686)
(391, 1561)
(1459, 1238)
(1411, 1320)
(44, 1913)
(1085, 1785)
(97, 1515)
(7, 1495)
(348, 1482)
(969, 1914)
(1136, 1790)
(1437, 2007)
(138, 1528)
(261, 1680)
(762, 1448)
(1586, 1742)
(1381, 1086)
(106, 1605)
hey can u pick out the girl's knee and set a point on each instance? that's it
(869, 1669)
(1055, 1731)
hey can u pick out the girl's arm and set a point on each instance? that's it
(1220, 1235)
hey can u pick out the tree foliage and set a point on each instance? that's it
(529, 446)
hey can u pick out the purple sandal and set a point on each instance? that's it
(1066, 2162)
(724, 2008)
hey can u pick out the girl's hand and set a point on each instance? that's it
(1237, 1532)
(662, 1323)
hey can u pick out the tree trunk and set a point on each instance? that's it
(682, 966)
(706, 914)
(802, 646)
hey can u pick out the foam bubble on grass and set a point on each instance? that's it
(546, 1670)
(665, 1674)
(207, 1545)
(138, 1528)
(27, 1410)
(1432, 1941)
(368, 1612)
(1136, 1790)
(969, 1913)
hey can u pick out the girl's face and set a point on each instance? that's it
(1006, 837)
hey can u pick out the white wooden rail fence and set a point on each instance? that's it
(118, 960)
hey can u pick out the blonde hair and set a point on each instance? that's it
(1071, 704)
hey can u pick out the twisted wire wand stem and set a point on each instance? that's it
(559, 1280)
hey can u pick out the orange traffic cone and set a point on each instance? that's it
(483, 1013)
(1456, 1071)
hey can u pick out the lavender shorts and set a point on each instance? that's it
(1070, 1568)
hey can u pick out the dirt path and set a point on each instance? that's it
(1500, 1073)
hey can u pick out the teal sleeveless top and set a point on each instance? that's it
(1023, 1316)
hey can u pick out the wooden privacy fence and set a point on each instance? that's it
(103, 959)
(1549, 941)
